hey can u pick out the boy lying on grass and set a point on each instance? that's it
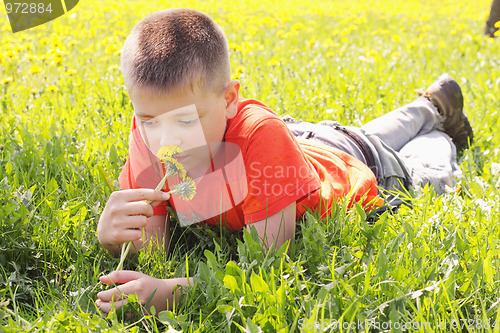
(252, 168)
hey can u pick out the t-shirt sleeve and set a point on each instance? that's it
(278, 172)
(124, 179)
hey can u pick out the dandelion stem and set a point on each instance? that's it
(125, 250)
(186, 192)
(160, 186)
(126, 245)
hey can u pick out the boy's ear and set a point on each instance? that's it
(231, 95)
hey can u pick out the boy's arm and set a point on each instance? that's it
(277, 228)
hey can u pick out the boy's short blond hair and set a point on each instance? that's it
(174, 49)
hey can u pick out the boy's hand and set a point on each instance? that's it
(133, 283)
(140, 284)
(125, 215)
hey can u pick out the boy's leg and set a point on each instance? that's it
(431, 159)
(423, 137)
(439, 107)
(398, 127)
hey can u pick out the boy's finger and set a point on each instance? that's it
(137, 208)
(106, 306)
(130, 235)
(114, 294)
(145, 194)
(120, 277)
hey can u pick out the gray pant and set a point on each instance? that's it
(407, 146)
(429, 155)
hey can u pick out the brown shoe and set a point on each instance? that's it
(446, 95)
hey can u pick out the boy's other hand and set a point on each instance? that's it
(159, 292)
(131, 283)
(125, 214)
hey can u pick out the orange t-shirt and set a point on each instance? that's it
(279, 168)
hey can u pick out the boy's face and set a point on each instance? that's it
(190, 120)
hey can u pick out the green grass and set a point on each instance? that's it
(434, 263)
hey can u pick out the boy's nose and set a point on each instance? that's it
(170, 138)
(167, 135)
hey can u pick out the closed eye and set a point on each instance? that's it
(149, 123)
(188, 122)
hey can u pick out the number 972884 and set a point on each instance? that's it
(28, 8)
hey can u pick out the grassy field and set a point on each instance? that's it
(65, 125)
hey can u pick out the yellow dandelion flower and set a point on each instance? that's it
(497, 24)
(185, 190)
(169, 151)
(497, 33)
(105, 41)
(52, 88)
(239, 73)
(236, 48)
(7, 80)
(35, 69)
(43, 41)
(57, 43)
(173, 166)
(57, 60)
(111, 49)
(56, 52)
(396, 54)
(396, 38)
(70, 72)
